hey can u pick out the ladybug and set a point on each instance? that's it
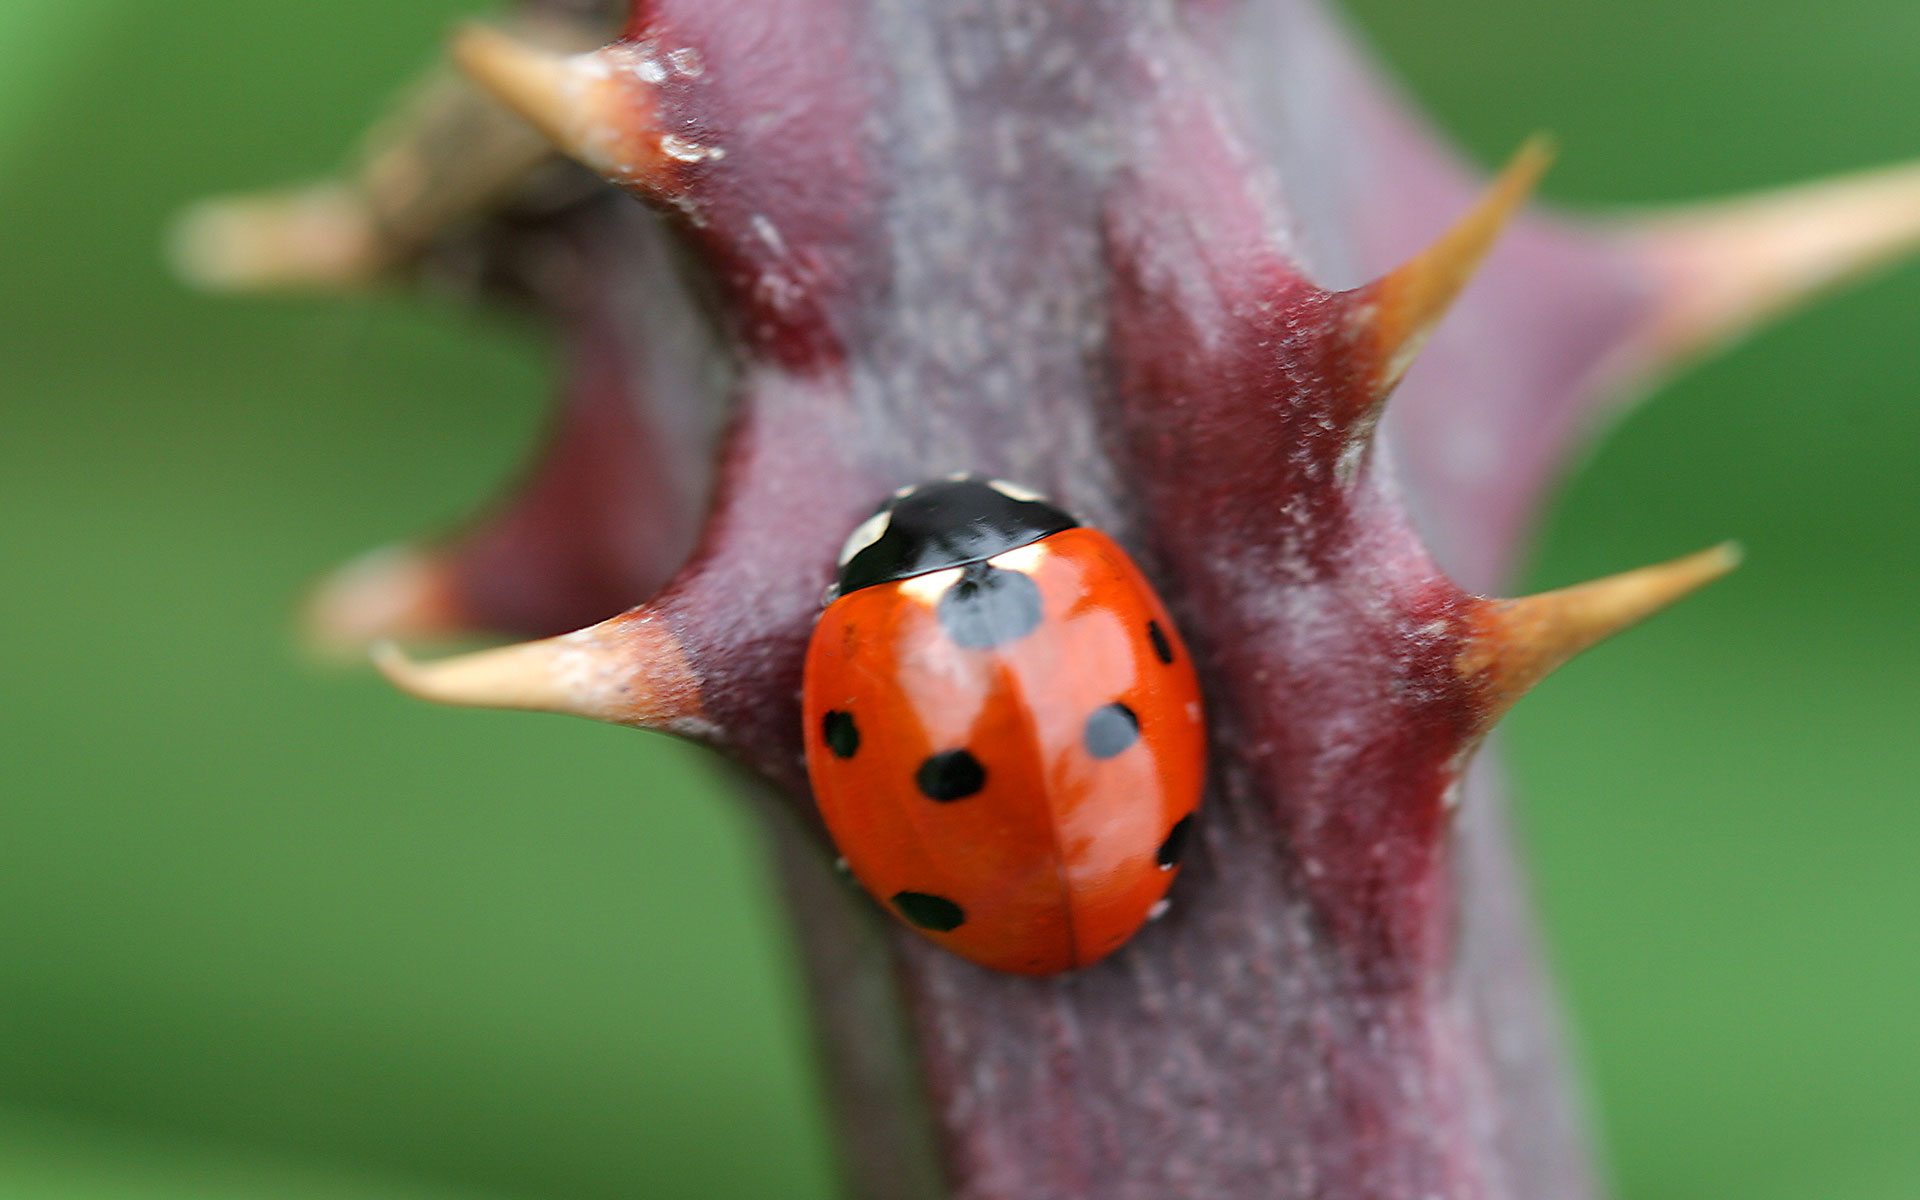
(1003, 729)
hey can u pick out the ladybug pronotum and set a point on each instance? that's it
(1003, 728)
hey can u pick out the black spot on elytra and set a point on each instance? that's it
(950, 775)
(1111, 729)
(930, 912)
(1175, 846)
(987, 607)
(1162, 648)
(842, 735)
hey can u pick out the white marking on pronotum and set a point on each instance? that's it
(927, 589)
(870, 531)
(1014, 491)
(1024, 559)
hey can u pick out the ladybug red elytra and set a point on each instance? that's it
(1003, 728)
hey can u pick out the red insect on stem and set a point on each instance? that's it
(1105, 251)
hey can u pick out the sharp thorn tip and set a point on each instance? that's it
(594, 106)
(1514, 644)
(1402, 309)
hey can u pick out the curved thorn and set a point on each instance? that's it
(597, 107)
(1725, 268)
(1514, 644)
(630, 670)
(1401, 309)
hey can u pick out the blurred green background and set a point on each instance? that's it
(268, 932)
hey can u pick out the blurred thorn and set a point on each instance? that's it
(319, 236)
(1724, 268)
(443, 157)
(395, 592)
(1514, 644)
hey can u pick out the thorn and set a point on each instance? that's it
(597, 107)
(1401, 309)
(392, 592)
(444, 154)
(630, 670)
(1726, 267)
(1514, 644)
(319, 236)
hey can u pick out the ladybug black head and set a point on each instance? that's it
(947, 523)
